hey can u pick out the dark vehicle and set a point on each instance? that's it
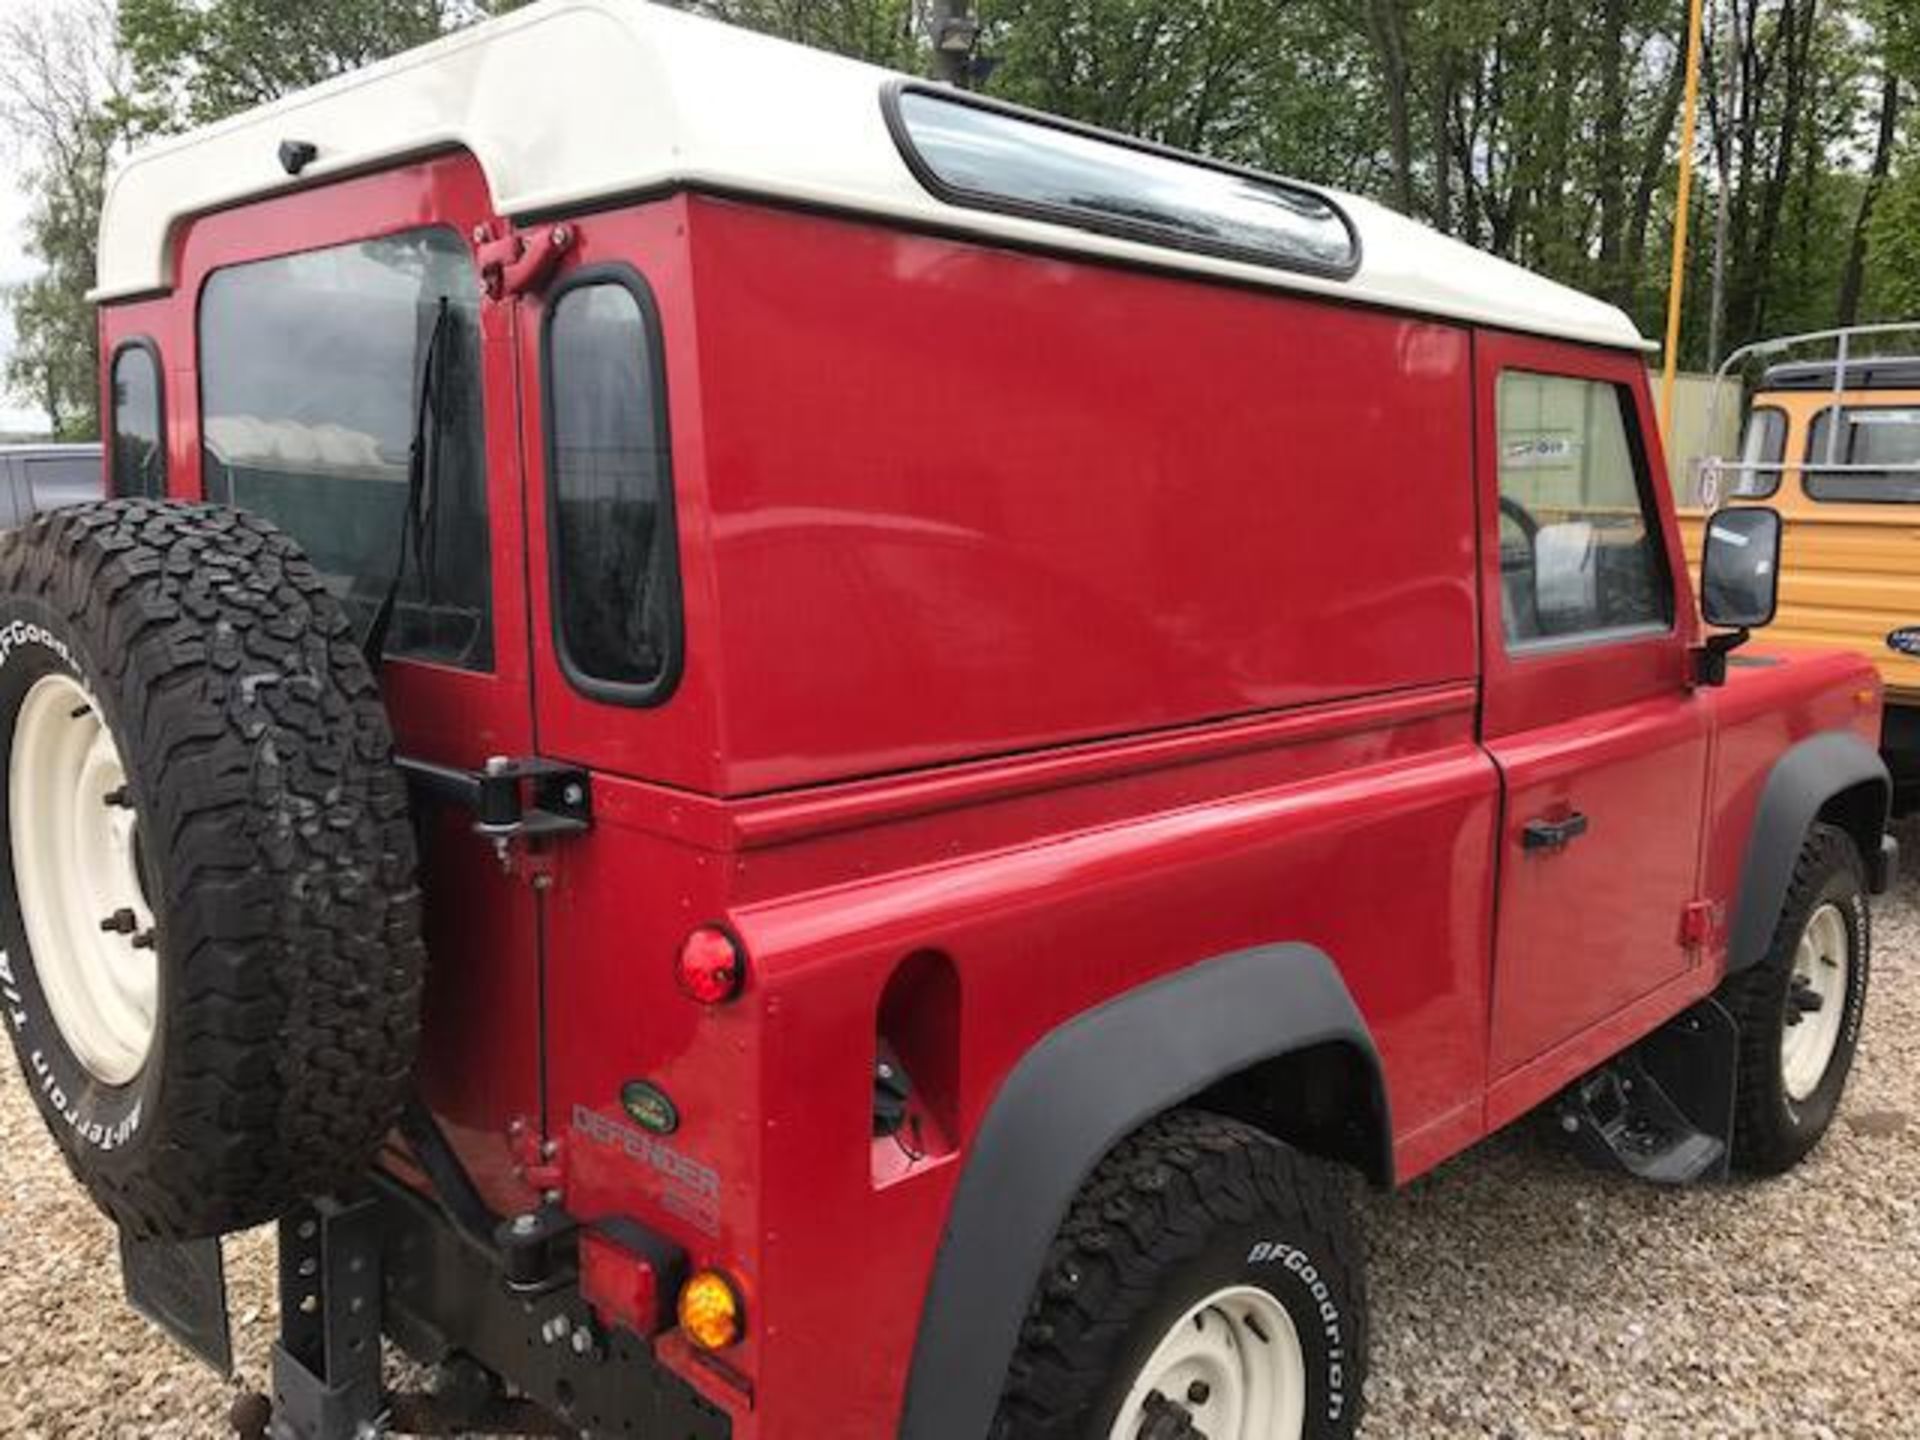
(34, 478)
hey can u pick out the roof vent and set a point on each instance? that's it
(296, 155)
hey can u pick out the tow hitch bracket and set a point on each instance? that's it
(326, 1364)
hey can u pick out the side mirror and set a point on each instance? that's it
(1740, 569)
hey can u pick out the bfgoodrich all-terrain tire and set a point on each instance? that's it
(1800, 1009)
(1206, 1281)
(212, 957)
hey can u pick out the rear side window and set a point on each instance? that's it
(311, 369)
(1580, 553)
(615, 587)
(1761, 453)
(138, 434)
(1869, 436)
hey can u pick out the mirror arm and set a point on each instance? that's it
(1710, 656)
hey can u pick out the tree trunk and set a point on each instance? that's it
(1853, 277)
(1797, 20)
(1439, 117)
(1722, 209)
(1653, 160)
(1611, 179)
(1386, 25)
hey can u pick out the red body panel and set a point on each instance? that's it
(1049, 627)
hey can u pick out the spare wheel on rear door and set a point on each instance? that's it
(212, 958)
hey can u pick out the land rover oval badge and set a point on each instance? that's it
(1906, 640)
(649, 1106)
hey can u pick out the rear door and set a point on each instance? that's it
(1588, 711)
(316, 314)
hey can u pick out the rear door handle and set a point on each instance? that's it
(1553, 834)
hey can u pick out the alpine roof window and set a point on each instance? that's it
(992, 157)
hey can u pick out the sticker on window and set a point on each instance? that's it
(1539, 451)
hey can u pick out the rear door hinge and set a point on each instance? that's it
(1702, 924)
(512, 262)
(513, 801)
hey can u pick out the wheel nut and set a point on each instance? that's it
(1198, 1393)
(120, 922)
(144, 940)
(120, 798)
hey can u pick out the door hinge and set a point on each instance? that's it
(1701, 924)
(512, 262)
(513, 801)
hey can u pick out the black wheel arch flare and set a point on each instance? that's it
(1076, 1094)
(1834, 775)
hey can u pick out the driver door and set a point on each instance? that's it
(1588, 711)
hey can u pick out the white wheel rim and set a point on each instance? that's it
(1816, 1002)
(76, 870)
(1234, 1363)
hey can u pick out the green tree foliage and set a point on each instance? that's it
(1281, 84)
(199, 60)
(882, 32)
(1546, 132)
(59, 81)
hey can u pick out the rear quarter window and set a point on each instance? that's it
(137, 434)
(1762, 451)
(1883, 440)
(609, 489)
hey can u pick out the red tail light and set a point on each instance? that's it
(712, 967)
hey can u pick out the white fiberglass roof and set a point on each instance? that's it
(569, 101)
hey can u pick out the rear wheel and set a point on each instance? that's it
(1800, 1009)
(1206, 1283)
(210, 954)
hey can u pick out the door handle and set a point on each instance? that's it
(1553, 834)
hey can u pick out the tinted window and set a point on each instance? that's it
(1883, 435)
(1761, 453)
(1579, 549)
(609, 490)
(994, 160)
(56, 480)
(310, 376)
(139, 450)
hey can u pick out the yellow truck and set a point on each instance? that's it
(1834, 446)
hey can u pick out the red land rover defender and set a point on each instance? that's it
(778, 754)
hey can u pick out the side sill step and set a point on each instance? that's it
(1662, 1111)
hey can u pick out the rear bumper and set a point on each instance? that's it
(446, 1296)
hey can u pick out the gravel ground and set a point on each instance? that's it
(1515, 1293)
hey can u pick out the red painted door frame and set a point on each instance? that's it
(1612, 730)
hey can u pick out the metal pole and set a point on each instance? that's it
(1683, 197)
